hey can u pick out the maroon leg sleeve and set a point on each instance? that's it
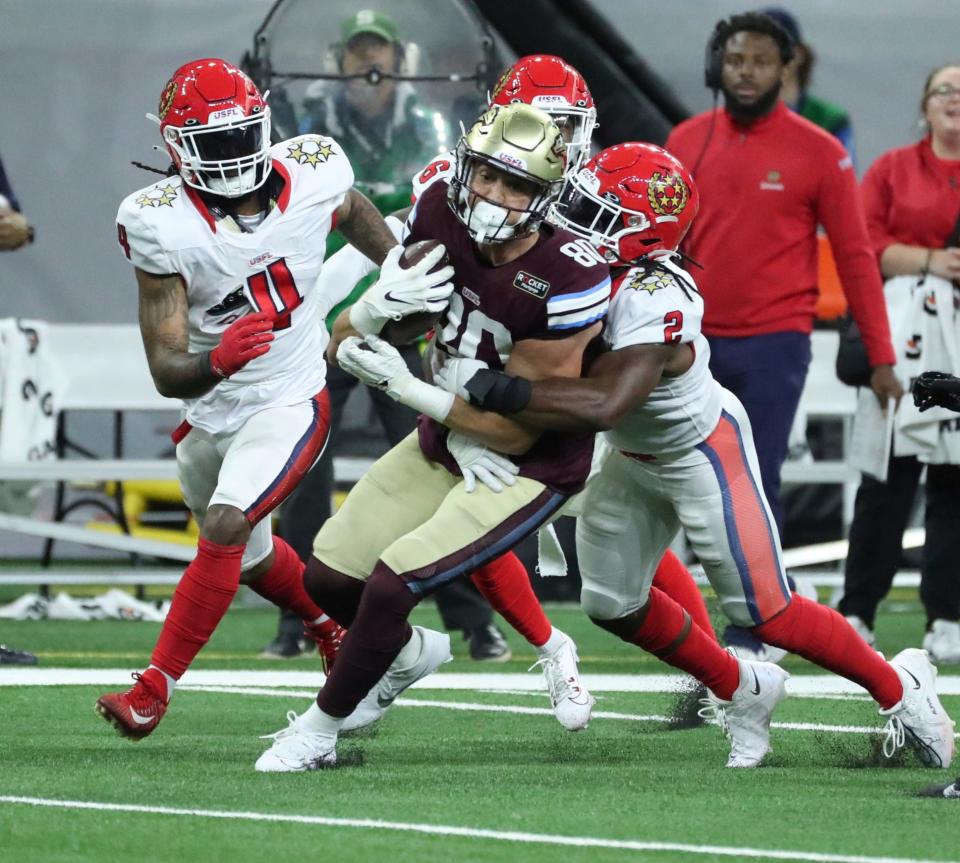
(337, 594)
(373, 640)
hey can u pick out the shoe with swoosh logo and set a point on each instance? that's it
(434, 650)
(918, 719)
(745, 719)
(136, 712)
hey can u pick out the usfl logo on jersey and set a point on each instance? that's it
(312, 150)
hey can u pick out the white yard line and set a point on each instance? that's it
(478, 707)
(466, 832)
(808, 685)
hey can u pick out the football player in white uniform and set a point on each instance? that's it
(227, 256)
(677, 452)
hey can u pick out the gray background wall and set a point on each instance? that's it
(78, 76)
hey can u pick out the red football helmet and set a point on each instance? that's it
(554, 86)
(628, 201)
(216, 126)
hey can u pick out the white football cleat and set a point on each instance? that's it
(295, 749)
(745, 719)
(942, 642)
(434, 651)
(918, 718)
(572, 703)
(864, 631)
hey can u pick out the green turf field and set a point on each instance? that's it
(468, 777)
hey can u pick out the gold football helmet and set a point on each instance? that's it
(519, 140)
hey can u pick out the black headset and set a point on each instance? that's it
(713, 62)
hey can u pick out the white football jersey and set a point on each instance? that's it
(228, 272)
(441, 168)
(658, 307)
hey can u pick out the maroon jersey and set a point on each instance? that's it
(557, 288)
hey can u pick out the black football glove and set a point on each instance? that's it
(937, 389)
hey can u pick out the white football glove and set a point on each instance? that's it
(476, 462)
(399, 292)
(454, 375)
(378, 364)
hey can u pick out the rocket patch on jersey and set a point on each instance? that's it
(310, 150)
(164, 196)
(531, 284)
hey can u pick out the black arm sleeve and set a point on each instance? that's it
(498, 392)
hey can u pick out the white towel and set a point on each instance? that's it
(31, 387)
(925, 327)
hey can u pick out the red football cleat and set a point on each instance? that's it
(327, 636)
(136, 712)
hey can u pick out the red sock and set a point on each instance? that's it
(505, 584)
(675, 580)
(670, 634)
(200, 601)
(818, 633)
(283, 583)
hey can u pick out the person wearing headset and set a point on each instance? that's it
(767, 179)
(388, 138)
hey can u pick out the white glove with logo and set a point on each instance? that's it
(378, 364)
(455, 373)
(479, 463)
(400, 292)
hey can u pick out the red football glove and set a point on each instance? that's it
(244, 340)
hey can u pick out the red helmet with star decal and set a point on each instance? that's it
(628, 201)
(216, 127)
(551, 84)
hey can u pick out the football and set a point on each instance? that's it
(411, 327)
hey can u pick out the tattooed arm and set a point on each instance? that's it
(364, 228)
(163, 324)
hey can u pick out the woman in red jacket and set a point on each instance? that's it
(911, 197)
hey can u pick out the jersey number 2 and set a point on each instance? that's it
(672, 325)
(276, 295)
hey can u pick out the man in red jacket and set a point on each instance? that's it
(767, 178)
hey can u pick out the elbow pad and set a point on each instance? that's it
(499, 392)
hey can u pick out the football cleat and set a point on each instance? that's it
(487, 644)
(919, 719)
(572, 703)
(12, 656)
(950, 791)
(942, 642)
(136, 712)
(434, 651)
(296, 749)
(745, 719)
(328, 637)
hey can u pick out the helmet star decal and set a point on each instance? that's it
(667, 193)
(161, 197)
(311, 151)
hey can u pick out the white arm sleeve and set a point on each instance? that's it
(342, 270)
